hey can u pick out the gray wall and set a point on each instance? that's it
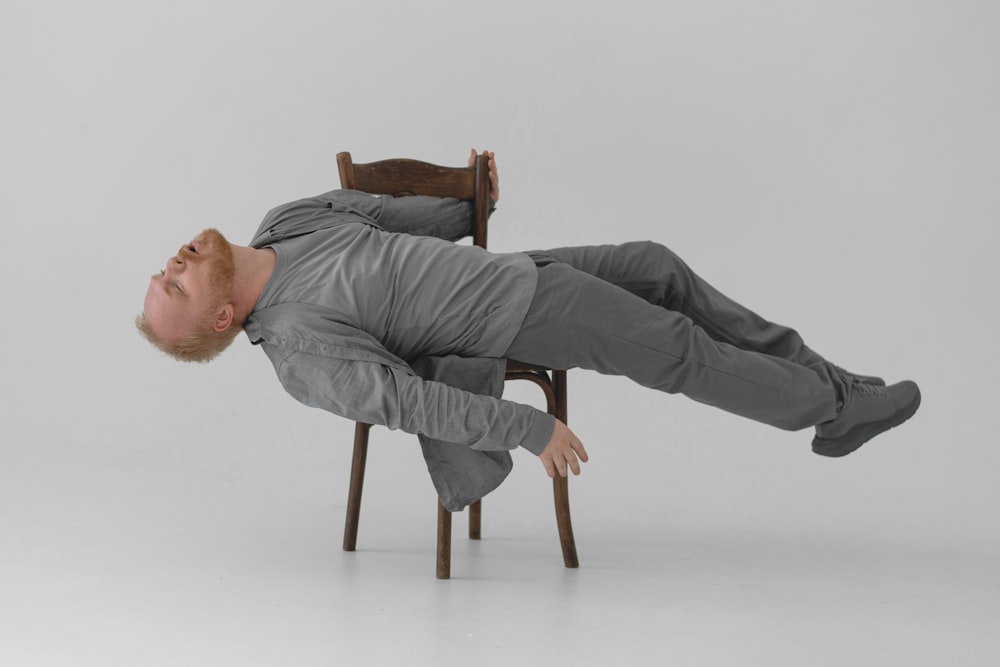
(833, 165)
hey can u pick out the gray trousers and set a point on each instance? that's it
(637, 310)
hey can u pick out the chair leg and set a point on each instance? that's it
(357, 482)
(560, 492)
(560, 485)
(444, 543)
(475, 520)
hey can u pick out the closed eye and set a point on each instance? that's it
(174, 285)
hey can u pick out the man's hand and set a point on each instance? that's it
(562, 451)
(494, 179)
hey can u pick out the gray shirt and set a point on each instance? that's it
(419, 296)
(353, 302)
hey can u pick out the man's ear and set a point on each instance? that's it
(224, 318)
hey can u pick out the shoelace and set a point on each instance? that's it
(865, 389)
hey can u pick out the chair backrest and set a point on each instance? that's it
(402, 177)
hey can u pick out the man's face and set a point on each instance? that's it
(194, 285)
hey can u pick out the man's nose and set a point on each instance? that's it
(175, 265)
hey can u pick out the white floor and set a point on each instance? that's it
(120, 555)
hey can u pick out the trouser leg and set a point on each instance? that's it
(637, 311)
(660, 277)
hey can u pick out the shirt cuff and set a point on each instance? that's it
(540, 432)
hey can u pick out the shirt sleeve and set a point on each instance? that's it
(419, 215)
(445, 218)
(374, 393)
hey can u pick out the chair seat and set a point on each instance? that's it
(514, 366)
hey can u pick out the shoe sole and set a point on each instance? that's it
(862, 433)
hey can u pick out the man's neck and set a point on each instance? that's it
(254, 267)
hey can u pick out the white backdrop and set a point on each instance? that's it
(831, 164)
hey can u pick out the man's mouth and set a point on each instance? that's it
(186, 251)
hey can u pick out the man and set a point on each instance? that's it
(346, 291)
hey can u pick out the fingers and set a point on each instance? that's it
(550, 467)
(563, 453)
(567, 460)
(579, 455)
(570, 458)
(490, 154)
(494, 177)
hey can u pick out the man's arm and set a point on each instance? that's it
(448, 219)
(444, 218)
(371, 392)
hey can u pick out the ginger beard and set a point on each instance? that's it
(218, 258)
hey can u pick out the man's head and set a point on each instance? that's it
(188, 312)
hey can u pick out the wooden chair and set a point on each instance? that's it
(402, 177)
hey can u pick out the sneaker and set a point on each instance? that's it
(868, 410)
(867, 379)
